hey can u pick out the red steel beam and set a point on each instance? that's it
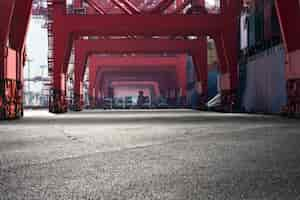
(161, 7)
(133, 9)
(96, 7)
(123, 7)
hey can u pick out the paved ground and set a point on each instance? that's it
(137, 155)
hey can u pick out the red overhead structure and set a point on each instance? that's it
(289, 17)
(196, 48)
(67, 27)
(98, 65)
(165, 77)
(14, 19)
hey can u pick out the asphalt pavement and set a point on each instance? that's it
(149, 155)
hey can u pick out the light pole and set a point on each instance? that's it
(28, 77)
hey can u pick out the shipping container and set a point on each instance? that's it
(263, 29)
(265, 84)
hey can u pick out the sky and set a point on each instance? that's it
(37, 51)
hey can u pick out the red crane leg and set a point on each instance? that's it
(289, 17)
(19, 29)
(16, 16)
(200, 59)
(61, 51)
(6, 12)
(227, 48)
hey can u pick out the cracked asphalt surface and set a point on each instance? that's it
(149, 154)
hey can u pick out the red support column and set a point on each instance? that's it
(61, 51)
(289, 17)
(227, 48)
(15, 16)
(200, 59)
(6, 13)
(92, 83)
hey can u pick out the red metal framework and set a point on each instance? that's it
(67, 27)
(131, 7)
(158, 19)
(132, 63)
(14, 19)
(196, 48)
(165, 77)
